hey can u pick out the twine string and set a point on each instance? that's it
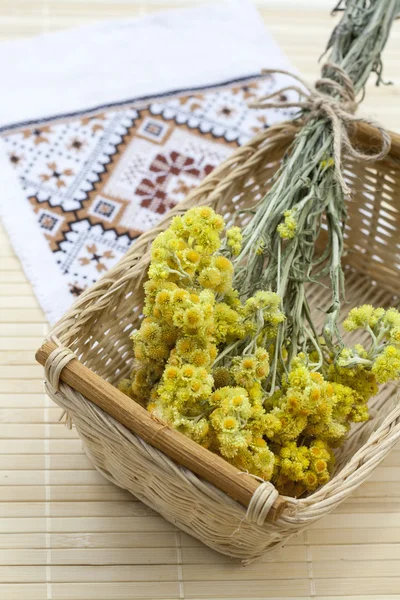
(339, 111)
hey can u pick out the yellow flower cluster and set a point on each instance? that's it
(327, 163)
(302, 468)
(191, 310)
(202, 361)
(234, 240)
(383, 357)
(238, 428)
(384, 324)
(263, 310)
(386, 366)
(362, 317)
(239, 420)
(315, 408)
(362, 384)
(287, 229)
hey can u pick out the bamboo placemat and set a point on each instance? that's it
(65, 532)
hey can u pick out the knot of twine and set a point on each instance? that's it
(339, 111)
(261, 503)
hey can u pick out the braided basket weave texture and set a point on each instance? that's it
(98, 327)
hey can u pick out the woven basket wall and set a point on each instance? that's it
(98, 327)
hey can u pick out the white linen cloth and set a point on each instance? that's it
(105, 127)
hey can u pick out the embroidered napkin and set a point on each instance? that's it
(104, 128)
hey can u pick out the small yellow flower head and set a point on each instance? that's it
(188, 371)
(200, 358)
(195, 386)
(186, 345)
(362, 317)
(234, 240)
(316, 377)
(347, 358)
(194, 298)
(168, 335)
(260, 248)
(315, 394)
(265, 304)
(229, 424)
(287, 229)
(329, 390)
(140, 352)
(395, 335)
(205, 212)
(222, 377)
(328, 163)
(180, 297)
(391, 323)
(217, 223)
(255, 392)
(260, 461)
(178, 318)
(171, 373)
(262, 355)
(361, 381)
(210, 278)
(223, 264)
(228, 323)
(159, 352)
(263, 300)
(248, 371)
(271, 425)
(310, 480)
(391, 317)
(320, 465)
(201, 227)
(150, 332)
(237, 401)
(192, 256)
(231, 443)
(193, 318)
(159, 254)
(387, 365)
(294, 461)
(157, 313)
(212, 351)
(259, 442)
(249, 363)
(158, 272)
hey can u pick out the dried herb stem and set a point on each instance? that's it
(307, 186)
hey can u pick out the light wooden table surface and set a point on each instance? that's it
(65, 532)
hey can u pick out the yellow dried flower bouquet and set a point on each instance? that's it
(202, 361)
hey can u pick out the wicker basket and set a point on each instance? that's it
(98, 327)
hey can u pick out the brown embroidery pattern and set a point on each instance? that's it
(95, 181)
